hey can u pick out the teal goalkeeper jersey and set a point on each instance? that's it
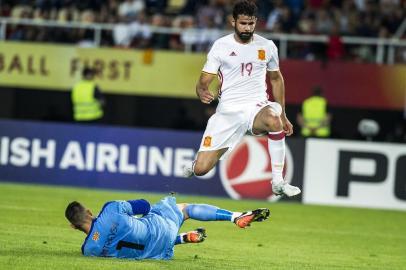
(116, 232)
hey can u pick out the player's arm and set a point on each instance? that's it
(202, 87)
(278, 92)
(134, 207)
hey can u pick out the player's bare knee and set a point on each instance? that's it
(273, 122)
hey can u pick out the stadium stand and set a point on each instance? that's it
(357, 18)
(134, 19)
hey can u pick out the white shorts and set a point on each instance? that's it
(226, 127)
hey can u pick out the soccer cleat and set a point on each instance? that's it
(188, 170)
(246, 218)
(283, 188)
(196, 236)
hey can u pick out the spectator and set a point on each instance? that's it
(335, 47)
(324, 22)
(121, 34)
(140, 31)
(214, 12)
(159, 40)
(350, 17)
(273, 17)
(131, 8)
(135, 33)
(188, 38)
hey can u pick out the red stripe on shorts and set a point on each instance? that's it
(276, 136)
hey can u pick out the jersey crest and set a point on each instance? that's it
(96, 236)
(207, 141)
(261, 54)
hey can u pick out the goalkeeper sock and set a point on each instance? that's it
(206, 212)
(179, 239)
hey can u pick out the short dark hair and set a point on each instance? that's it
(87, 71)
(244, 7)
(76, 213)
(317, 91)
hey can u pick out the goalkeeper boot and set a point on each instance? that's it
(284, 188)
(246, 218)
(196, 236)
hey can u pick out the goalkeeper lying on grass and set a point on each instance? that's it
(117, 232)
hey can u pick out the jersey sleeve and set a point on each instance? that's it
(213, 61)
(273, 64)
(139, 207)
(131, 208)
(124, 207)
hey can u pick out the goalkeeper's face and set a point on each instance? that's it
(244, 27)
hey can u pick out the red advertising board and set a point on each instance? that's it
(355, 85)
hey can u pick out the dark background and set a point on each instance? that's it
(173, 113)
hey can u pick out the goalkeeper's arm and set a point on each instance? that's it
(139, 207)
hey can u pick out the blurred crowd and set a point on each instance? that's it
(134, 22)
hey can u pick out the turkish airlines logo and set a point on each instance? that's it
(246, 173)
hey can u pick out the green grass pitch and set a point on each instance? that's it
(35, 235)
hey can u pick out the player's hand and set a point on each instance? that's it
(287, 125)
(205, 96)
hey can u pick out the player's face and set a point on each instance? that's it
(244, 27)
